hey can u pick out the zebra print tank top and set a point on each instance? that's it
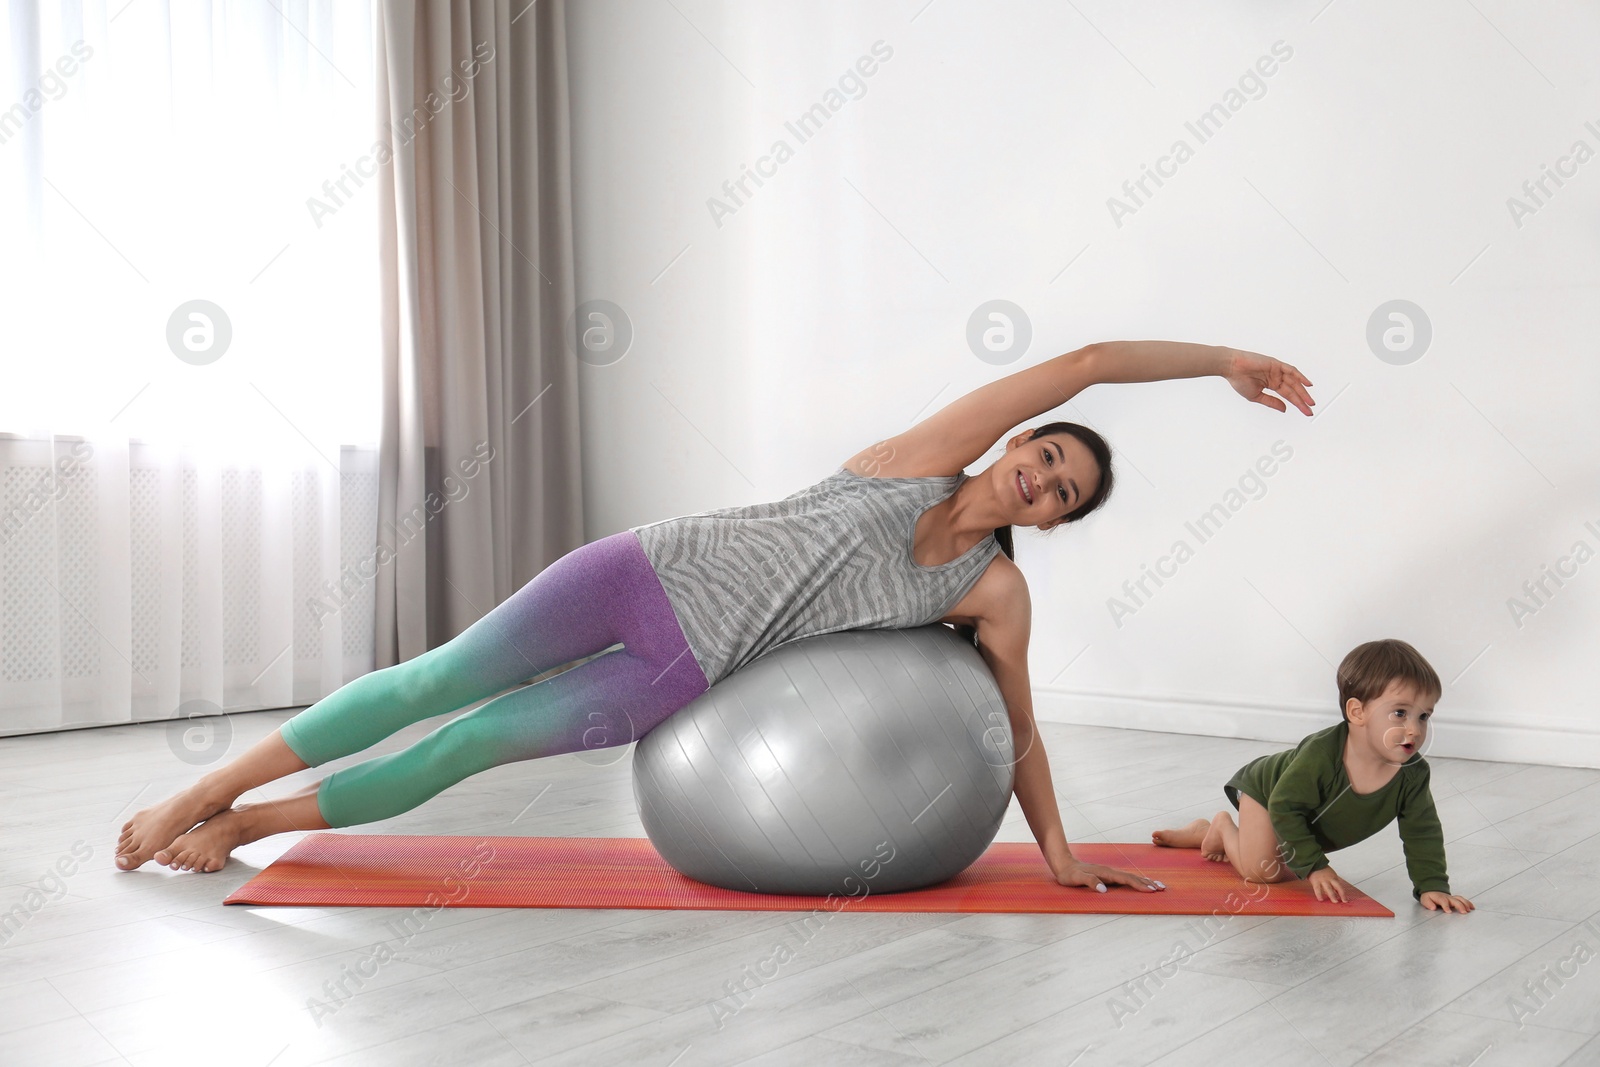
(833, 556)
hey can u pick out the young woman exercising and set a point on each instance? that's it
(898, 536)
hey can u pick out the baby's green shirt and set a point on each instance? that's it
(1315, 811)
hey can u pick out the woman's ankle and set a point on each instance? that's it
(271, 817)
(255, 822)
(216, 791)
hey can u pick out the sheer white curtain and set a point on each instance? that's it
(188, 357)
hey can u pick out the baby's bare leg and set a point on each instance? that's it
(1211, 846)
(1252, 846)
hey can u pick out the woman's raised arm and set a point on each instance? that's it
(958, 434)
(1250, 373)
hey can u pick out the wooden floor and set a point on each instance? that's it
(148, 967)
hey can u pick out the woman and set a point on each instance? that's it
(897, 536)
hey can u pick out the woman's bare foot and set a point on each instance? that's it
(156, 827)
(206, 847)
(1189, 836)
(1211, 844)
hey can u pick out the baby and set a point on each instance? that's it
(1340, 786)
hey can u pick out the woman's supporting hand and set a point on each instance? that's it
(1095, 875)
(1251, 373)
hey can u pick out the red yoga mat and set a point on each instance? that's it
(360, 870)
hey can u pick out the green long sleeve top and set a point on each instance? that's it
(1315, 811)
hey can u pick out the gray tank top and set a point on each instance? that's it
(834, 556)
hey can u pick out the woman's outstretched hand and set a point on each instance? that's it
(1251, 374)
(1095, 876)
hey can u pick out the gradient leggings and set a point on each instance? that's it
(588, 600)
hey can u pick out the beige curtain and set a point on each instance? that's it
(479, 474)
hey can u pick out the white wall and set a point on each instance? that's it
(831, 309)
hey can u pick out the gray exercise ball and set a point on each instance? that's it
(855, 762)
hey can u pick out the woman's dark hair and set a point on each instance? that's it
(1102, 456)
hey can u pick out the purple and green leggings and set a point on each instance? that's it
(594, 597)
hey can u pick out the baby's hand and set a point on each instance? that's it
(1323, 880)
(1436, 901)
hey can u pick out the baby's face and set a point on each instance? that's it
(1397, 722)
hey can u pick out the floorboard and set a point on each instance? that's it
(148, 966)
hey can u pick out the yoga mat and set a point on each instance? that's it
(383, 871)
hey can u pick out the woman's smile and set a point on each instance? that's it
(1022, 487)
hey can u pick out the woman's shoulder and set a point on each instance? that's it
(1000, 593)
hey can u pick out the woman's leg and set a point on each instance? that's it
(608, 701)
(206, 847)
(267, 759)
(568, 611)
(485, 659)
(574, 608)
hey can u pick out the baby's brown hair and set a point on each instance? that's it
(1369, 668)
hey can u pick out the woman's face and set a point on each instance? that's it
(1046, 478)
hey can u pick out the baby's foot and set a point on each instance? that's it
(1211, 846)
(206, 847)
(1187, 837)
(155, 827)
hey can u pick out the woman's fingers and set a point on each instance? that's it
(1138, 881)
(1282, 379)
(1287, 381)
(1082, 875)
(1291, 383)
(1095, 876)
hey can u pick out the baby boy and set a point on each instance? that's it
(1339, 786)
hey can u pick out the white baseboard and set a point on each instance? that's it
(1185, 714)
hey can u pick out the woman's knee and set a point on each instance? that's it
(513, 727)
(458, 749)
(434, 682)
